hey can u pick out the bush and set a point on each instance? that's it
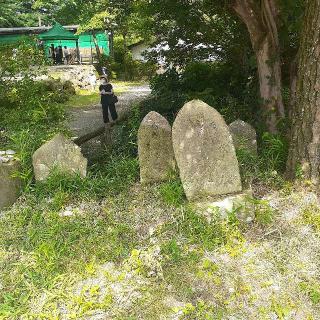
(32, 109)
(123, 67)
(269, 166)
(166, 82)
(167, 104)
(231, 91)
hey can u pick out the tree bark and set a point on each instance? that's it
(95, 41)
(260, 20)
(304, 152)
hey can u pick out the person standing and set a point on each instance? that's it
(66, 54)
(108, 100)
(53, 53)
(60, 55)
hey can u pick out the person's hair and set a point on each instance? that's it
(104, 77)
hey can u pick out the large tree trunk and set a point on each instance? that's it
(304, 150)
(260, 20)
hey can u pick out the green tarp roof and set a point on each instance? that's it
(58, 32)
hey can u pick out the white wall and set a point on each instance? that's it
(137, 51)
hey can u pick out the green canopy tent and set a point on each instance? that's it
(59, 36)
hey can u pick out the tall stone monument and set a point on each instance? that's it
(10, 184)
(155, 150)
(204, 152)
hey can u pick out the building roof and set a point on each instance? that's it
(58, 32)
(32, 30)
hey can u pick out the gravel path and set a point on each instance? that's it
(82, 121)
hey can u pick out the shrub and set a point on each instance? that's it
(166, 82)
(274, 151)
(167, 103)
(122, 66)
(231, 91)
(32, 109)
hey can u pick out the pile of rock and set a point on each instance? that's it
(10, 183)
(244, 136)
(81, 76)
(202, 146)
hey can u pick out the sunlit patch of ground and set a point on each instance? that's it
(84, 98)
(133, 256)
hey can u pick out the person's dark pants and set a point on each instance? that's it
(113, 112)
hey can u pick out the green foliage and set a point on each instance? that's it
(32, 109)
(53, 245)
(270, 163)
(122, 65)
(274, 149)
(172, 250)
(172, 193)
(311, 216)
(231, 92)
(261, 209)
(116, 174)
(312, 289)
(198, 230)
(167, 104)
(199, 311)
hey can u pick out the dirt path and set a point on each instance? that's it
(82, 121)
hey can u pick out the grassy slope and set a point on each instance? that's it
(76, 248)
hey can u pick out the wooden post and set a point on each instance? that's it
(111, 44)
(78, 51)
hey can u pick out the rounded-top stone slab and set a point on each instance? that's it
(59, 152)
(155, 150)
(244, 136)
(204, 152)
(10, 184)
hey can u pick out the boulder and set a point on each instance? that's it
(204, 152)
(60, 153)
(10, 185)
(244, 136)
(155, 150)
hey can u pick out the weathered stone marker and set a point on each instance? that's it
(59, 152)
(244, 136)
(10, 186)
(155, 150)
(204, 152)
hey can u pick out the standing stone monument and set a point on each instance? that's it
(10, 185)
(155, 150)
(204, 152)
(61, 153)
(244, 136)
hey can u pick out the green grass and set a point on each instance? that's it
(84, 98)
(42, 248)
(311, 216)
(172, 193)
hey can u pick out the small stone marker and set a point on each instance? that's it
(204, 152)
(59, 152)
(155, 150)
(244, 136)
(10, 186)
